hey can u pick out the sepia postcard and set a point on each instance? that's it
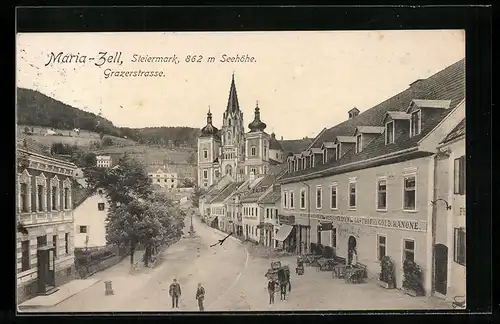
(240, 171)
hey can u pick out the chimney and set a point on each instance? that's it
(353, 112)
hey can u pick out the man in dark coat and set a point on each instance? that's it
(200, 296)
(271, 288)
(175, 292)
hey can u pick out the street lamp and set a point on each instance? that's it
(191, 229)
(308, 235)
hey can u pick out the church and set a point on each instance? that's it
(232, 151)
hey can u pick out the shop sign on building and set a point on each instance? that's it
(406, 224)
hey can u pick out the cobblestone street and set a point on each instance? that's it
(316, 291)
(234, 281)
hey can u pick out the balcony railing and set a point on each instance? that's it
(44, 217)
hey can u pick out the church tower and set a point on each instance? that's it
(257, 146)
(208, 152)
(232, 152)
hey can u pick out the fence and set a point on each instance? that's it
(88, 262)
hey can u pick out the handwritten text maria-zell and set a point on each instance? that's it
(117, 59)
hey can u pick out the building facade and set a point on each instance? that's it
(231, 151)
(372, 178)
(270, 222)
(450, 245)
(254, 211)
(45, 236)
(90, 214)
(163, 178)
(103, 161)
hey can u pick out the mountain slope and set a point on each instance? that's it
(37, 109)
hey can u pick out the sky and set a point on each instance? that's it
(303, 80)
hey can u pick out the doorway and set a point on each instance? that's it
(351, 246)
(46, 269)
(441, 268)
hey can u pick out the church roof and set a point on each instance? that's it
(232, 101)
(274, 144)
(209, 129)
(257, 125)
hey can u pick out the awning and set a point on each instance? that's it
(283, 232)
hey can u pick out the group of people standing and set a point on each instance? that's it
(175, 292)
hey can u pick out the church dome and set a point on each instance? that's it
(257, 125)
(209, 129)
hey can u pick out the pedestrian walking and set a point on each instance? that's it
(283, 286)
(175, 293)
(200, 296)
(271, 288)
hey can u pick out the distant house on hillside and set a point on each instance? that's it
(160, 176)
(103, 161)
(91, 210)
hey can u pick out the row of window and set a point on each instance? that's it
(271, 213)
(250, 211)
(166, 180)
(409, 191)
(170, 176)
(41, 241)
(251, 230)
(45, 199)
(409, 195)
(408, 248)
(253, 152)
(218, 211)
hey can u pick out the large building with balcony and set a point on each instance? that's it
(44, 238)
(368, 185)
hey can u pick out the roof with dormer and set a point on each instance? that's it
(259, 189)
(272, 196)
(448, 84)
(369, 129)
(225, 192)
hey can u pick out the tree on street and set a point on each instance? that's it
(187, 183)
(136, 215)
(195, 197)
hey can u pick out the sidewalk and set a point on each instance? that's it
(124, 282)
(65, 291)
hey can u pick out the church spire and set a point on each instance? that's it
(209, 116)
(232, 102)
